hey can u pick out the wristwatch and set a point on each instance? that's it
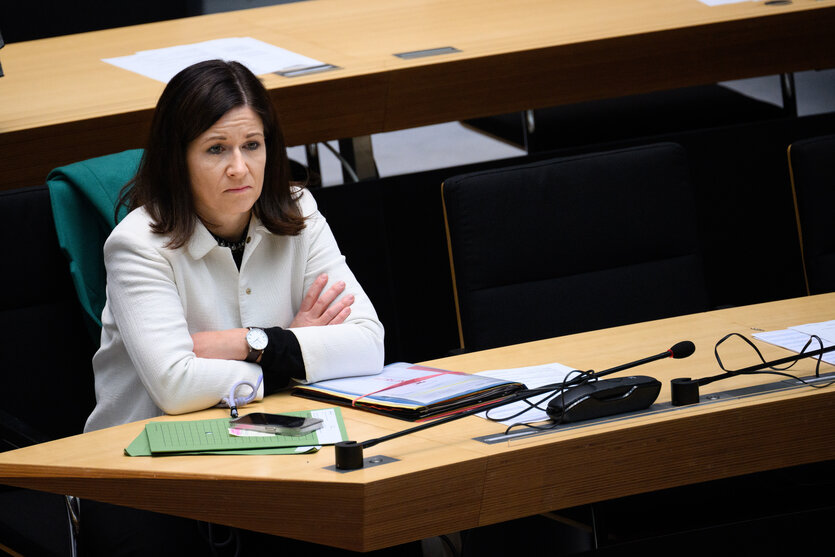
(257, 340)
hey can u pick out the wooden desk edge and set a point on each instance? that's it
(373, 510)
(404, 97)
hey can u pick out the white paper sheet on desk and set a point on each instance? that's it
(795, 338)
(533, 377)
(328, 434)
(260, 57)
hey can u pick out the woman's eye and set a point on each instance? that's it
(215, 149)
(252, 145)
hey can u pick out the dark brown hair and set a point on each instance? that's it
(191, 103)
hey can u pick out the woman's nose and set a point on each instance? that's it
(237, 165)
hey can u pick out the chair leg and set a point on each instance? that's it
(789, 94)
(598, 528)
(74, 522)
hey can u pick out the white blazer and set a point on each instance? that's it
(157, 297)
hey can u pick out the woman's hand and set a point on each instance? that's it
(323, 309)
(221, 345)
(316, 309)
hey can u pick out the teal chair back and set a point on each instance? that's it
(84, 197)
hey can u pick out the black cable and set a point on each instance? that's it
(757, 350)
(582, 378)
(558, 389)
(773, 369)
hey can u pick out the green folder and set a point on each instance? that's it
(212, 437)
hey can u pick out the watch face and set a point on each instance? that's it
(256, 338)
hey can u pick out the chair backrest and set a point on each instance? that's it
(83, 197)
(812, 168)
(46, 373)
(573, 244)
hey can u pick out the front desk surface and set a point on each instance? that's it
(443, 479)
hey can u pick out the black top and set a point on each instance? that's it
(281, 360)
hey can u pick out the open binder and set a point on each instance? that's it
(410, 392)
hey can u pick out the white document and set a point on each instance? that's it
(328, 434)
(795, 338)
(533, 377)
(825, 330)
(407, 385)
(260, 57)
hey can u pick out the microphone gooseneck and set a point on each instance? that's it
(349, 454)
(686, 390)
(679, 350)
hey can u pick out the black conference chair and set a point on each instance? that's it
(46, 374)
(573, 244)
(812, 168)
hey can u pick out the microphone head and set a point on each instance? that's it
(682, 349)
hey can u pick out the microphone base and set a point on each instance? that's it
(348, 455)
(684, 391)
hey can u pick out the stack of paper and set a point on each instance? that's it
(410, 392)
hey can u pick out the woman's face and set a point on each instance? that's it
(226, 168)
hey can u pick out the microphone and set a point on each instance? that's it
(682, 349)
(349, 454)
(686, 391)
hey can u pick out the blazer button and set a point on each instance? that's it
(249, 291)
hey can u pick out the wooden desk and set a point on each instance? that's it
(59, 103)
(444, 480)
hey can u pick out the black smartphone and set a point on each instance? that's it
(277, 423)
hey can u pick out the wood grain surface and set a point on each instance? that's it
(444, 480)
(60, 103)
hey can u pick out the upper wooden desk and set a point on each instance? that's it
(444, 480)
(59, 103)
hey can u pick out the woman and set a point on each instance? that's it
(222, 271)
